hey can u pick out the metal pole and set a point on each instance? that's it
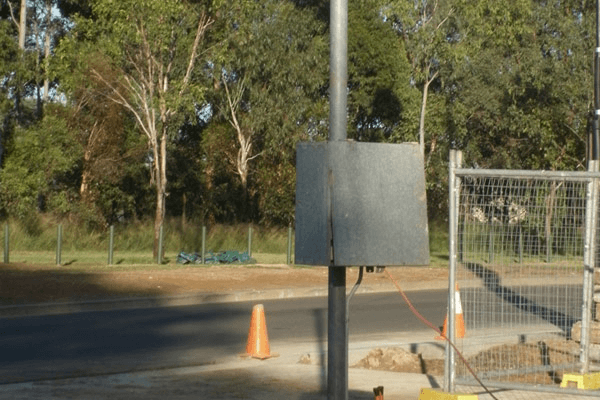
(58, 244)
(159, 258)
(491, 240)
(6, 243)
(338, 65)
(203, 244)
(250, 241)
(520, 244)
(337, 342)
(549, 249)
(454, 183)
(595, 139)
(589, 257)
(289, 245)
(111, 241)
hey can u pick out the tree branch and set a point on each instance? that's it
(118, 98)
(12, 16)
(203, 24)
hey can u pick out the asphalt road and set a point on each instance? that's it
(108, 342)
(98, 343)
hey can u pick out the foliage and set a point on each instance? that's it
(381, 101)
(153, 46)
(193, 109)
(529, 107)
(268, 95)
(38, 172)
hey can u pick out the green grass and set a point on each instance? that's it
(438, 244)
(35, 242)
(127, 260)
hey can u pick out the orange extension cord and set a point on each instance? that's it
(429, 324)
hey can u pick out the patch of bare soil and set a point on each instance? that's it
(399, 360)
(516, 357)
(525, 357)
(26, 283)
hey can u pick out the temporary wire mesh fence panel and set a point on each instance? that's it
(519, 246)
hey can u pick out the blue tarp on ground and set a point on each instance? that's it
(223, 257)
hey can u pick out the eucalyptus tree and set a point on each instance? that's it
(429, 32)
(268, 93)
(37, 174)
(381, 100)
(526, 90)
(155, 46)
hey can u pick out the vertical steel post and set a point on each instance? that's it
(594, 141)
(159, 256)
(111, 242)
(337, 341)
(250, 241)
(203, 256)
(289, 245)
(520, 244)
(589, 263)
(491, 240)
(6, 243)
(58, 244)
(338, 70)
(454, 191)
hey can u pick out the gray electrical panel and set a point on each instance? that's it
(360, 204)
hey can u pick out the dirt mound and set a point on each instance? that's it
(525, 359)
(399, 360)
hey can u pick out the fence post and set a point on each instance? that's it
(203, 245)
(6, 243)
(159, 256)
(454, 199)
(520, 244)
(250, 241)
(289, 245)
(58, 244)
(589, 264)
(111, 238)
(491, 239)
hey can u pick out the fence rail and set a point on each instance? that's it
(522, 251)
(201, 249)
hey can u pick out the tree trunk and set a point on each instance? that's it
(423, 110)
(47, 50)
(84, 188)
(86, 176)
(22, 24)
(161, 186)
(22, 32)
(159, 218)
(183, 209)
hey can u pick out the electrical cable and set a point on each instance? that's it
(354, 289)
(430, 325)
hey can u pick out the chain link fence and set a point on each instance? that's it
(522, 258)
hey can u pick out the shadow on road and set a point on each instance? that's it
(21, 284)
(109, 342)
(492, 282)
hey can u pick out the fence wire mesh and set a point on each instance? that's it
(519, 243)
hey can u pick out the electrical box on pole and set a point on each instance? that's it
(360, 204)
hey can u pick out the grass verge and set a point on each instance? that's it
(36, 243)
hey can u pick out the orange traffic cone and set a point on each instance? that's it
(258, 341)
(459, 319)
